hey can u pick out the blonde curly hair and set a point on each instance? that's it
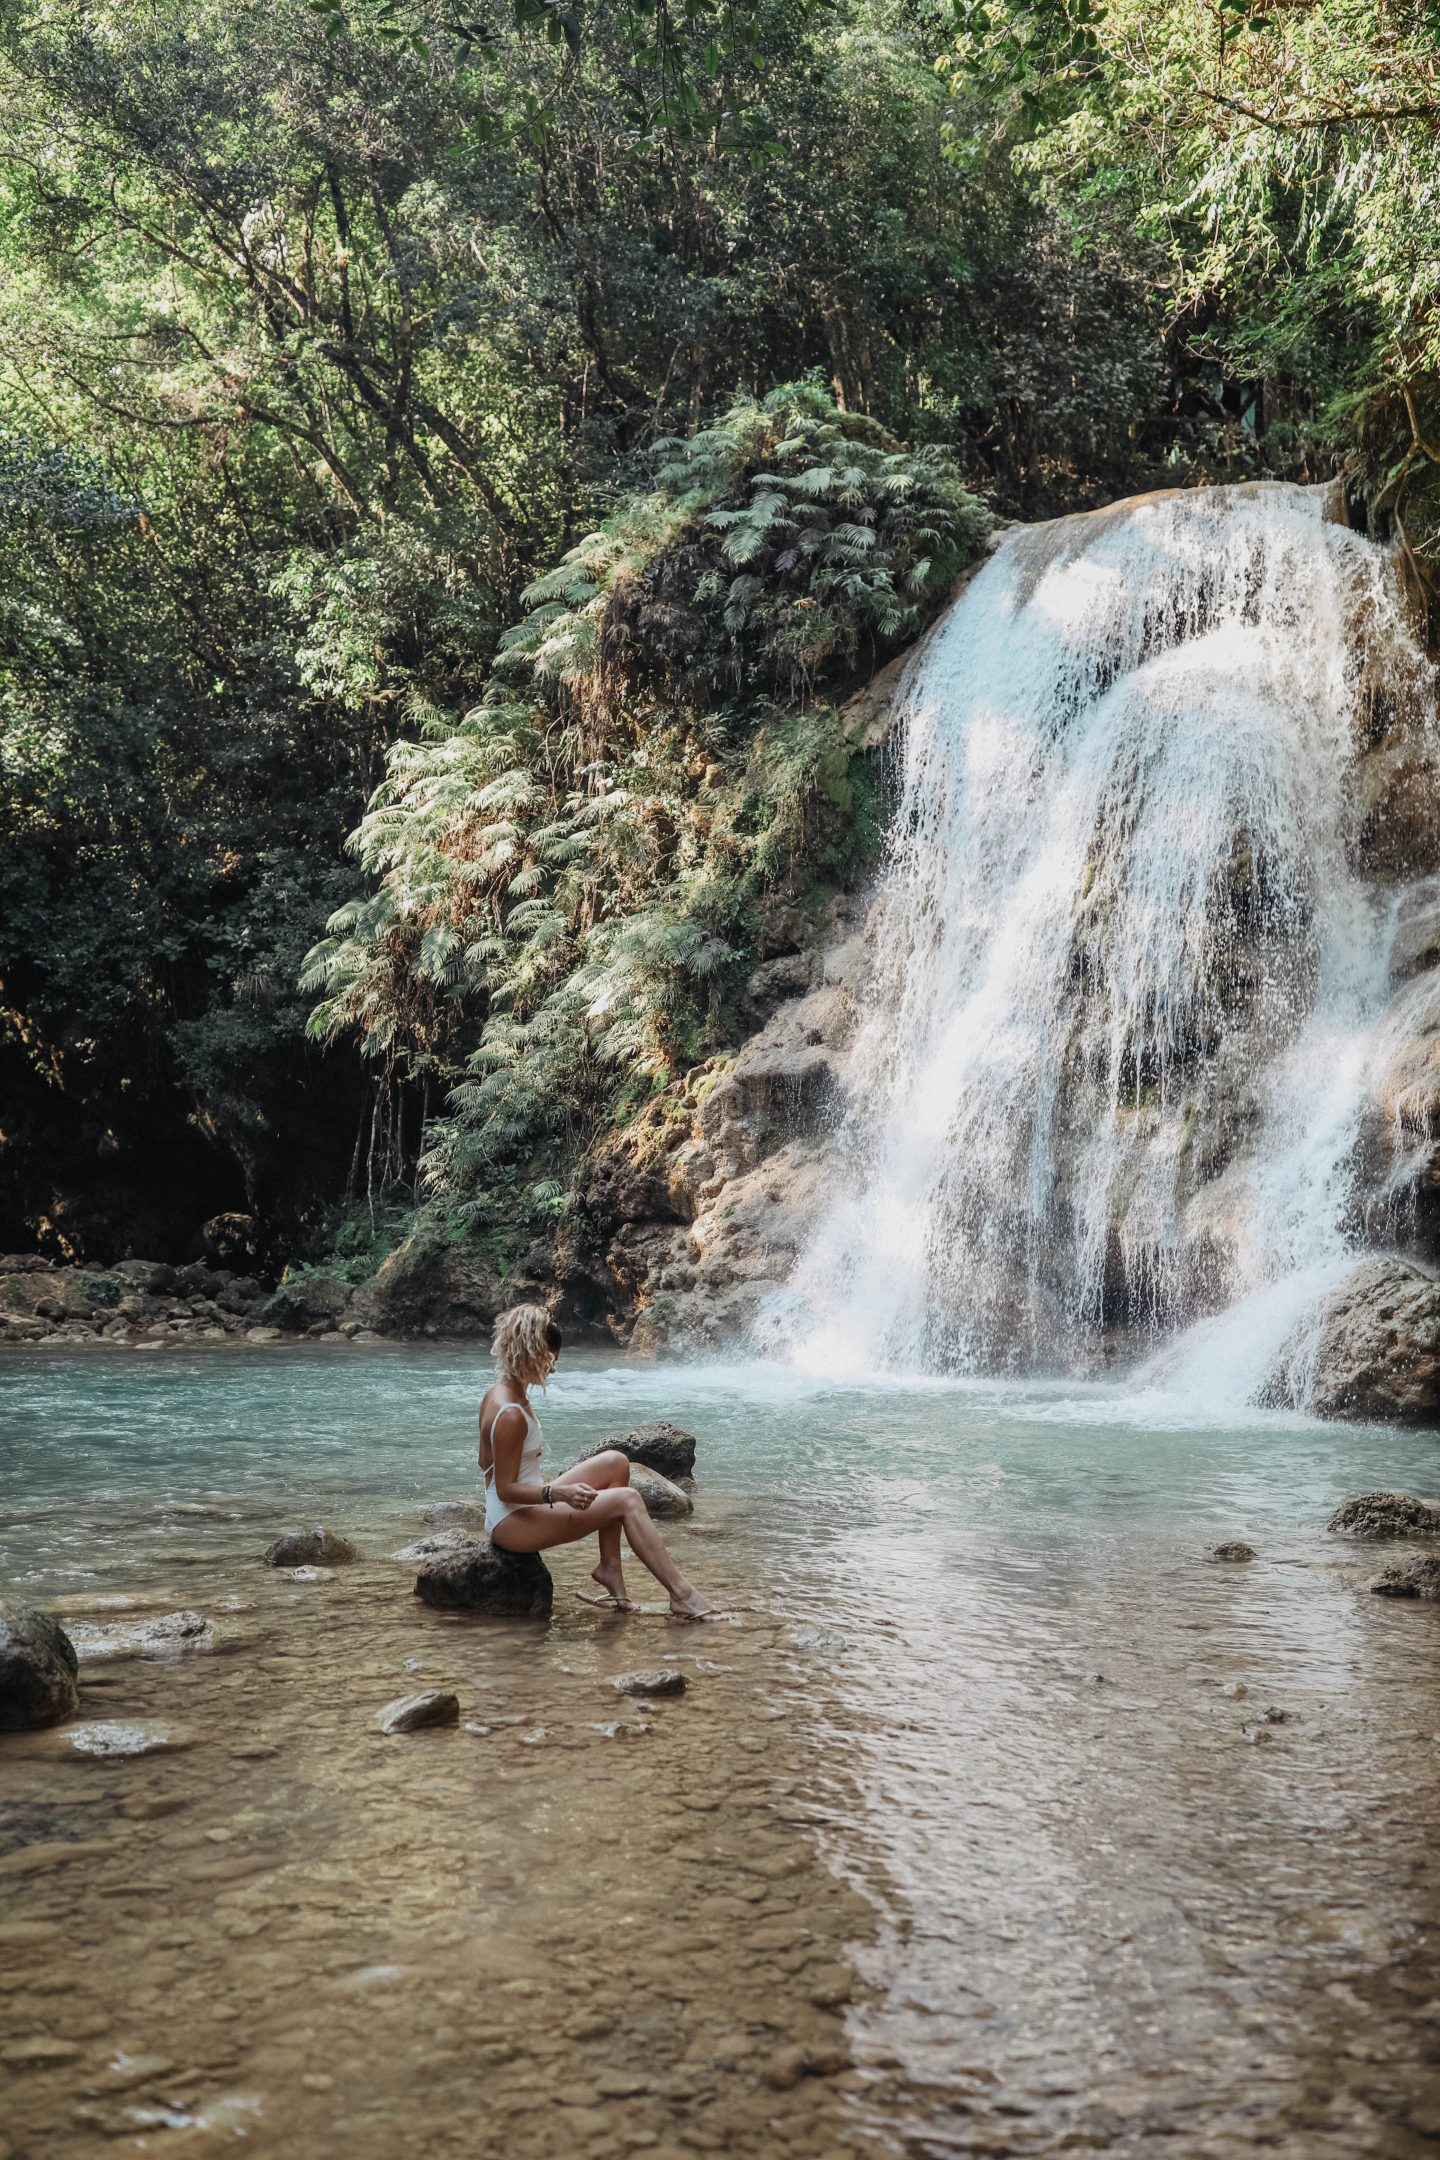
(527, 1343)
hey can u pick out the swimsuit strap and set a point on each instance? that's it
(488, 1469)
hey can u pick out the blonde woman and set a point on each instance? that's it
(525, 1513)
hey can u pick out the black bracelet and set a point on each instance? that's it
(545, 1494)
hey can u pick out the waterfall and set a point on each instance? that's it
(1131, 950)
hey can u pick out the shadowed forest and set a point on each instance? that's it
(455, 465)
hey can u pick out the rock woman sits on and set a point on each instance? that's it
(525, 1514)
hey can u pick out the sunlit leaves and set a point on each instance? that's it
(612, 862)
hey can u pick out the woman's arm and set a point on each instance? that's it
(506, 1447)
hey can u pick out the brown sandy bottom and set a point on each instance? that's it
(576, 1923)
(955, 1846)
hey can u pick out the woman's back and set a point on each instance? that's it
(495, 1405)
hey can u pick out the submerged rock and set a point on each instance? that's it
(1374, 1351)
(1416, 1577)
(168, 1635)
(471, 1575)
(109, 1740)
(38, 1669)
(310, 1548)
(664, 1680)
(1386, 1515)
(1233, 1549)
(413, 1713)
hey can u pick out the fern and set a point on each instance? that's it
(568, 880)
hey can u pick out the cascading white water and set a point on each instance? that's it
(1128, 967)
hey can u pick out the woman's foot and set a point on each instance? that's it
(612, 1579)
(687, 1604)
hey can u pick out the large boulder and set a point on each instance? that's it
(472, 1575)
(1374, 1350)
(662, 1447)
(304, 1301)
(1386, 1515)
(61, 1293)
(38, 1669)
(429, 1285)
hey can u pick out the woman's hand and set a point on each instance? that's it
(577, 1496)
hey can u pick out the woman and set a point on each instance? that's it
(524, 1514)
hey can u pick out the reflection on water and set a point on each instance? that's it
(1000, 1821)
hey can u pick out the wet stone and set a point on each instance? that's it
(472, 1575)
(1234, 1549)
(1416, 1577)
(310, 1548)
(664, 1502)
(414, 1713)
(1386, 1515)
(662, 1447)
(113, 1741)
(168, 1635)
(663, 1680)
(38, 1668)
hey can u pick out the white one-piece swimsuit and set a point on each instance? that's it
(497, 1509)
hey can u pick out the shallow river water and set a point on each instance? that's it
(996, 1820)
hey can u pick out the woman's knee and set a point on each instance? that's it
(609, 1467)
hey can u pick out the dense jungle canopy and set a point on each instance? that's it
(456, 462)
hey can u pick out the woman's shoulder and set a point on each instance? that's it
(499, 1397)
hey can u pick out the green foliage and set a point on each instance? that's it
(1279, 165)
(582, 865)
(326, 329)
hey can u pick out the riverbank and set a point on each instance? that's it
(999, 1820)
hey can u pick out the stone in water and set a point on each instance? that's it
(413, 1713)
(664, 1680)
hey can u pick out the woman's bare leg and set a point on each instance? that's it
(604, 1471)
(537, 1529)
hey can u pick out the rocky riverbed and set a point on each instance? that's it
(1004, 1814)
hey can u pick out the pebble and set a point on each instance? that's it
(830, 1986)
(124, 2070)
(149, 1807)
(38, 2053)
